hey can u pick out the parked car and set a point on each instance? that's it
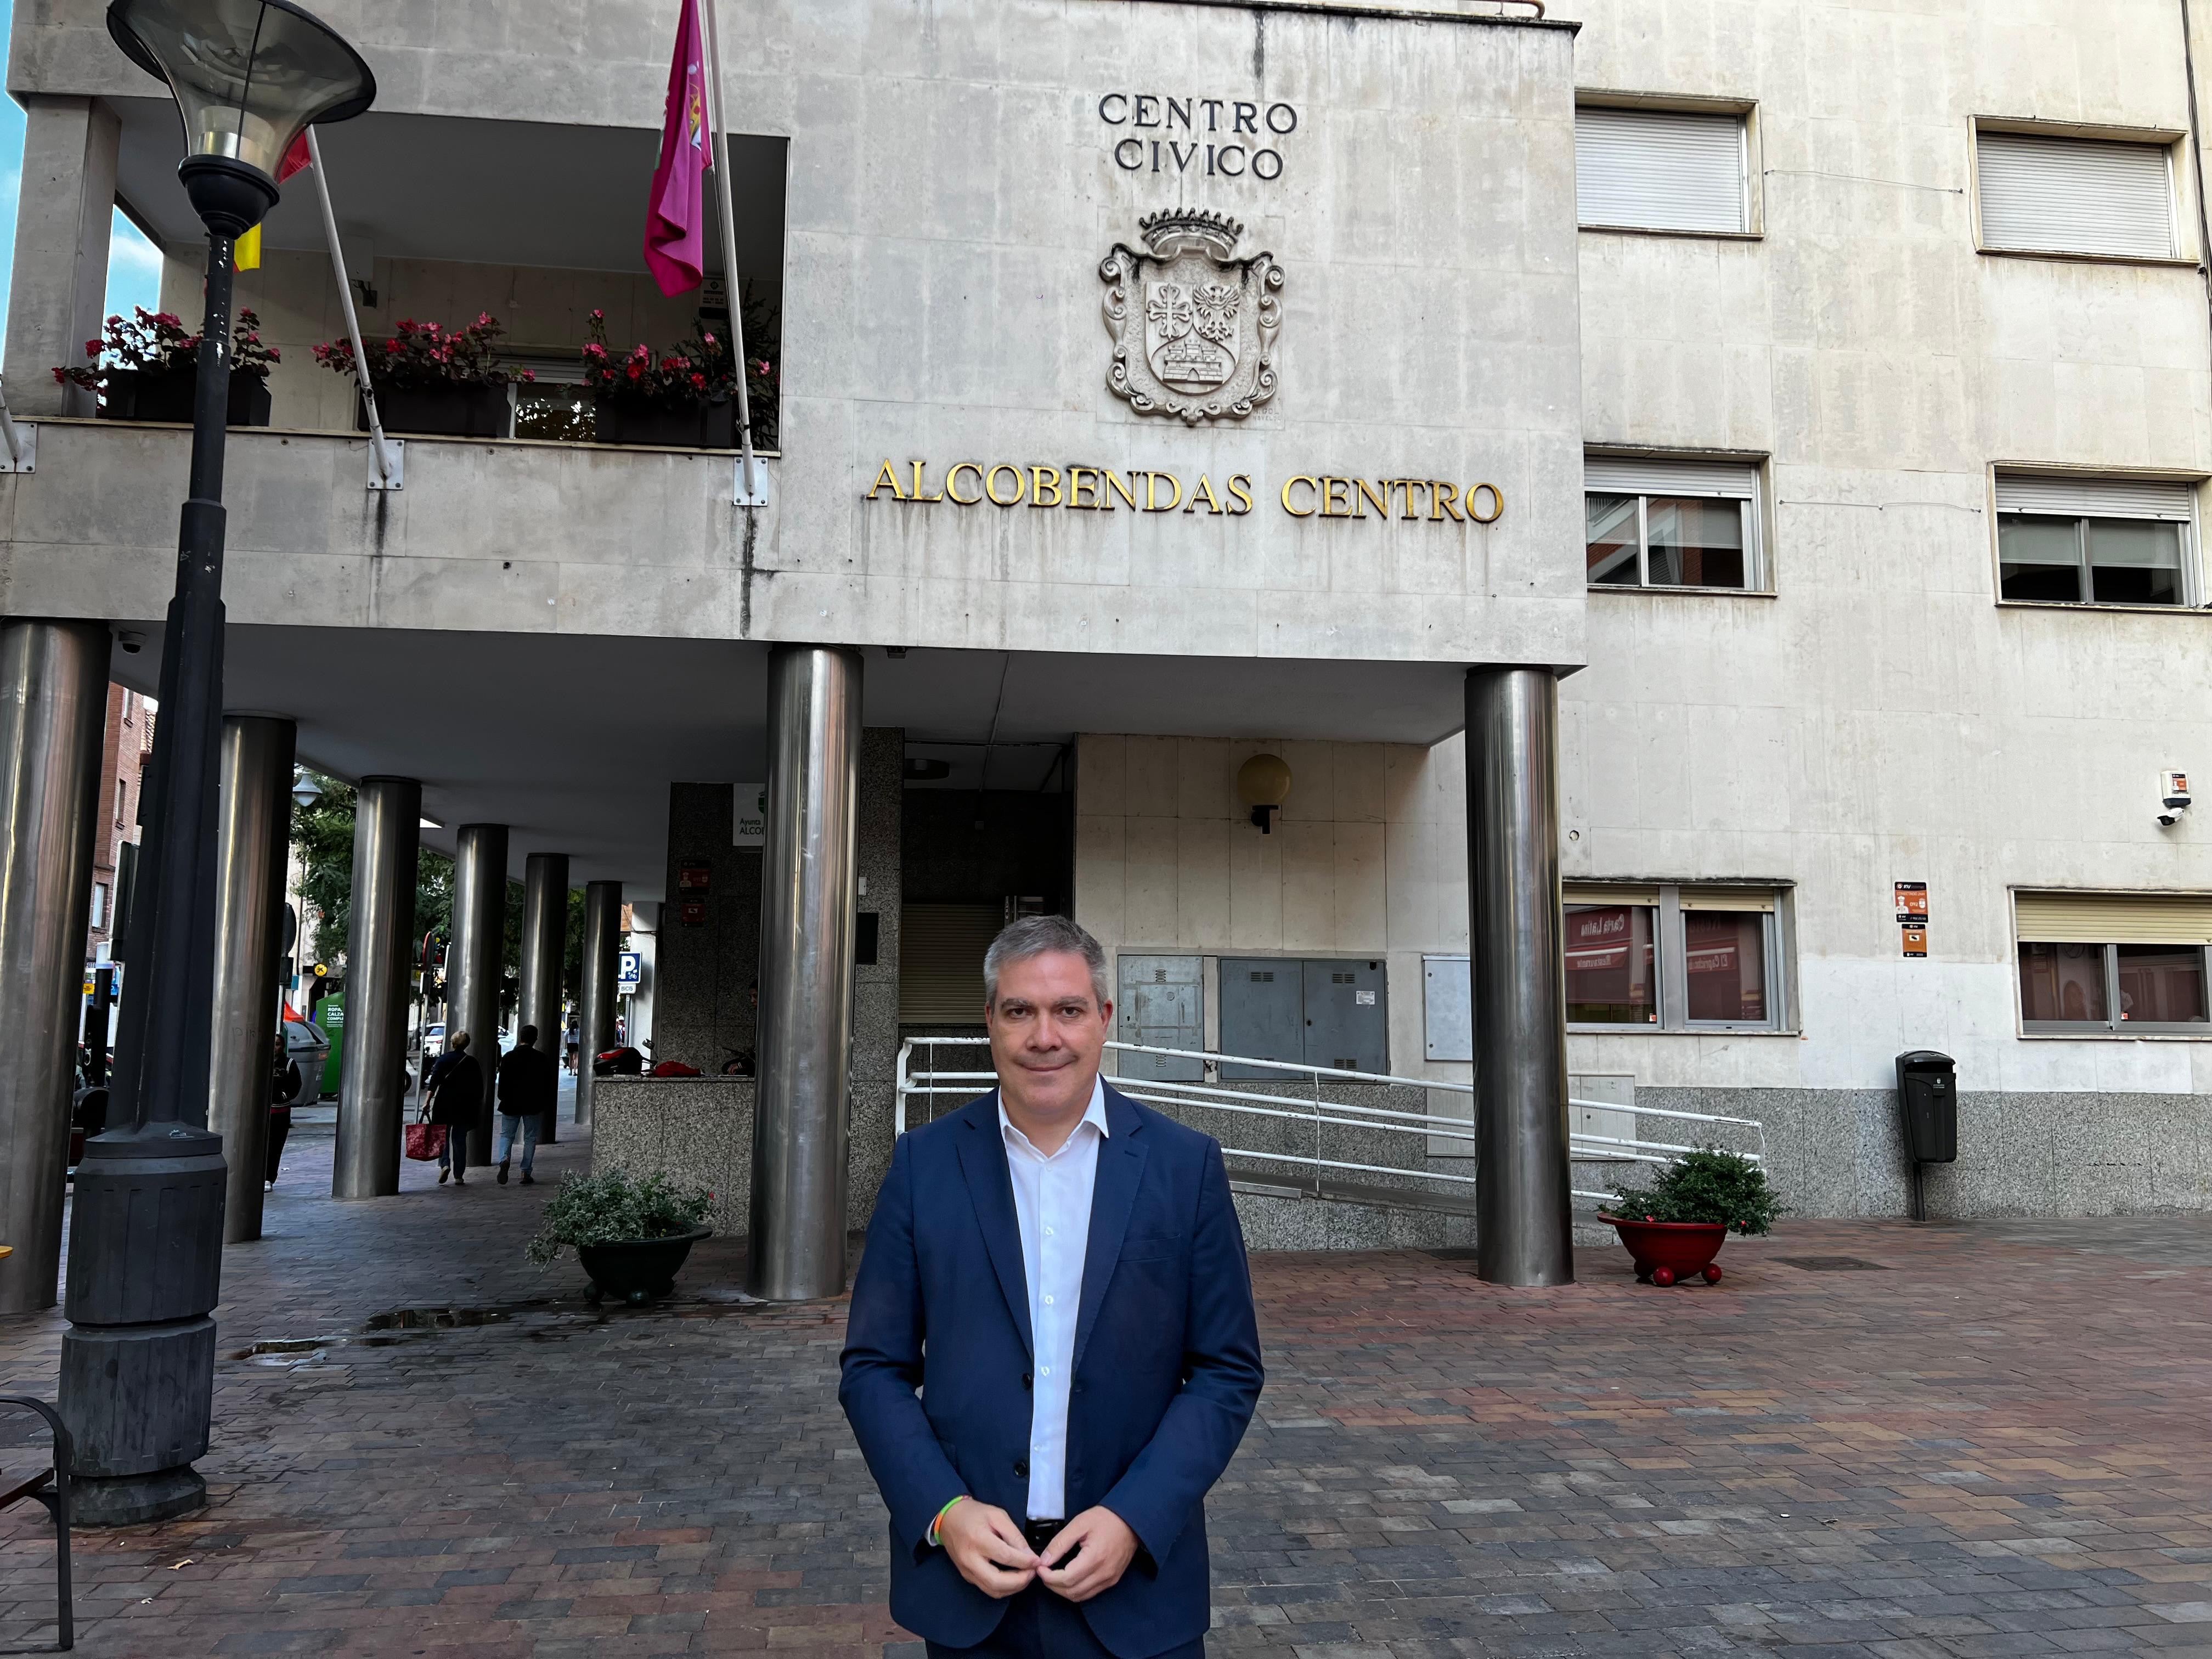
(307, 1050)
(433, 1039)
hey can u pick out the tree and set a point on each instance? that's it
(322, 835)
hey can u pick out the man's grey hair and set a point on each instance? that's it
(1037, 936)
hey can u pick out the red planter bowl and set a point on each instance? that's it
(1668, 1251)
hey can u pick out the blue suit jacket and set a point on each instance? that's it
(1166, 1372)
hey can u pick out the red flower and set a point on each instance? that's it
(709, 338)
(699, 382)
(61, 377)
(529, 377)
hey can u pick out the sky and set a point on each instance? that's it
(134, 264)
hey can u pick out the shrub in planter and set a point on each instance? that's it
(630, 1234)
(684, 394)
(147, 369)
(435, 380)
(1676, 1227)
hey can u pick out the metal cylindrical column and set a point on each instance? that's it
(373, 1069)
(473, 965)
(1524, 1226)
(595, 998)
(808, 897)
(251, 839)
(544, 939)
(53, 714)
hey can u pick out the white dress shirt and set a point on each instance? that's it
(1052, 1200)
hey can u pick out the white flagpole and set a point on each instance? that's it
(750, 492)
(353, 322)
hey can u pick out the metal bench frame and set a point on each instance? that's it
(55, 1497)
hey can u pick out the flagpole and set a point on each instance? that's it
(353, 322)
(749, 491)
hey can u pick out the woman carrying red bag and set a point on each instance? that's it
(455, 1093)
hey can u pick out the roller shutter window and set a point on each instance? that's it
(941, 950)
(1654, 169)
(2096, 540)
(2113, 962)
(2042, 194)
(1660, 523)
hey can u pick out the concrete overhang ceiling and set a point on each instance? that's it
(573, 740)
(445, 187)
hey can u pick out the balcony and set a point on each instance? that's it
(443, 221)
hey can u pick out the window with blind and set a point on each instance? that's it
(2113, 962)
(1660, 169)
(941, 950)
(2096, 540)
(1670, 958)
(1660, 523)
(2042, 193)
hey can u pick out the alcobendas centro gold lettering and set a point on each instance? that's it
(1151, 490)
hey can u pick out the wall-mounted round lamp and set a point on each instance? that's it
(248, 76)
(1263, 783)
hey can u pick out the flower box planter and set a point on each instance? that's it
(619, 420)
(635, 1270)
(1668, 1252)
(137, 394)
(439, 411)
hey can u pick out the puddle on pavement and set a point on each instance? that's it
(549, 1320)
(443, 1319)
(286, 1353)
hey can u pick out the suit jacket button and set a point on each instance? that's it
(1021, 1468)
(1025, 1379)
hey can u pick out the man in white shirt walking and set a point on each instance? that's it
(1046, 1490)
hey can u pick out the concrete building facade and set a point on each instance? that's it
(1752, 371)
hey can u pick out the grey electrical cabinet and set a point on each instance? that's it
(1262, 1013)
(1163, 1005)
(1347, 1022)
(1322, 1011)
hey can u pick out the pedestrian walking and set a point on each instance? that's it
(1072, 1424)
(529, 1089)
(574, 1041)
(456, 1091)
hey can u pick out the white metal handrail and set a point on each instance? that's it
(1225, 1095)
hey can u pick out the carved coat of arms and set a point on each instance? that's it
(1193, 328)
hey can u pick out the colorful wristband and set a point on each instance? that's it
(940, 1522)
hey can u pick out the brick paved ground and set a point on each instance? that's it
(1994, 1444)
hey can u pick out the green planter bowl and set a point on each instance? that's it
(636, 1270)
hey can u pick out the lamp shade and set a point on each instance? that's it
(1264, 780)
(249, 77)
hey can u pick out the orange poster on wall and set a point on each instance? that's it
(1913, 903)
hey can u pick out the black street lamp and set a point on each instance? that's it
(137, 1378)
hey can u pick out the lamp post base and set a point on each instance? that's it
(132, 1500)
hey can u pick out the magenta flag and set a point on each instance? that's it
(675, 220)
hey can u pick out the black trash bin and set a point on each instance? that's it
(1928, 1099)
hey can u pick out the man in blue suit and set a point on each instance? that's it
(1072, 1264)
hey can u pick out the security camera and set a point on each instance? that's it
(2173, 797)
(133, 643)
